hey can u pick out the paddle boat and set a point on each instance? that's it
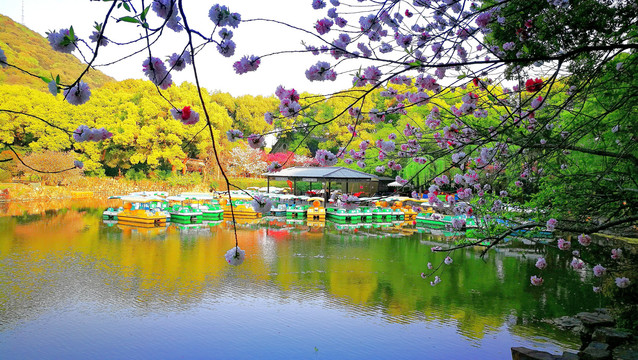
(343, 215)
(111, 212)
(316, 212)
(207, 204)
(433, 220)
(182, 212)
(142, 210)
(240, 207)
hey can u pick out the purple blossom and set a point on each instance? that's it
(584, 239)
(323, 26)
(155, 70)
(274, 167)
(61, 41)
(599, 270)
(325, 157)
(256, 141)
(564, 244)
(178, 62)
(96, 35)
(246, 64)
(78, 94)
(232, 135)
(622, 282)
(318, 4)
(536, 280)
(221, 16)
(541, 263)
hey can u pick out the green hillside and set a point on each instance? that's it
(32, 52)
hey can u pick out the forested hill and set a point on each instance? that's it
(30, 51)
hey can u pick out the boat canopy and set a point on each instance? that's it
(141, 199)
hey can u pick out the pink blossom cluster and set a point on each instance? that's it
(233, 135)
(95, 36)
(321, 71)
(221, 16)
(584, 239)
(274, 167)
(289, 108)
(156, 71)
(84, 133)
(185, 115)
(61, 41)
(261, 204)
(256, 141)
(167, 10)
(78, 94)
(246, 64)
(349, 201)
(325, 158)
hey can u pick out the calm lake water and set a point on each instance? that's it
(73, 287)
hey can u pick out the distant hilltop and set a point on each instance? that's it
(30, 51)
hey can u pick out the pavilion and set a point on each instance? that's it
(329, 175)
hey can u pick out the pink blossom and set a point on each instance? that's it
(95, 36)
(268, 117)
(325, 158)
(178, 62)
(78, 94)
(321, 71)
(349, 201)
(221, 16)
(61, 41)
(261, 204)
(564, 244)
(458, 224)
(235, 256)
(318, 4)
(430, 265)
(616, 254)
(622, 282)
(246, 64)
(256, 141)
(156, 71)
(437, 280)
(84, 133)
(274, 167)
(541, 263)
(551, 224)
(599, 270)
(483, 19)
(596, 289)
(436, 248)
(537, 102)
(448, 260)
(233, 135)
(78, 164)
(323, 26)
(536, 280)
(584, 239)
(577, 264)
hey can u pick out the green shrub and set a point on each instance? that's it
(134, 175)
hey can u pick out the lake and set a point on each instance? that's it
(75, 287)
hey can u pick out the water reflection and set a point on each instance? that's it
(372, 272)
